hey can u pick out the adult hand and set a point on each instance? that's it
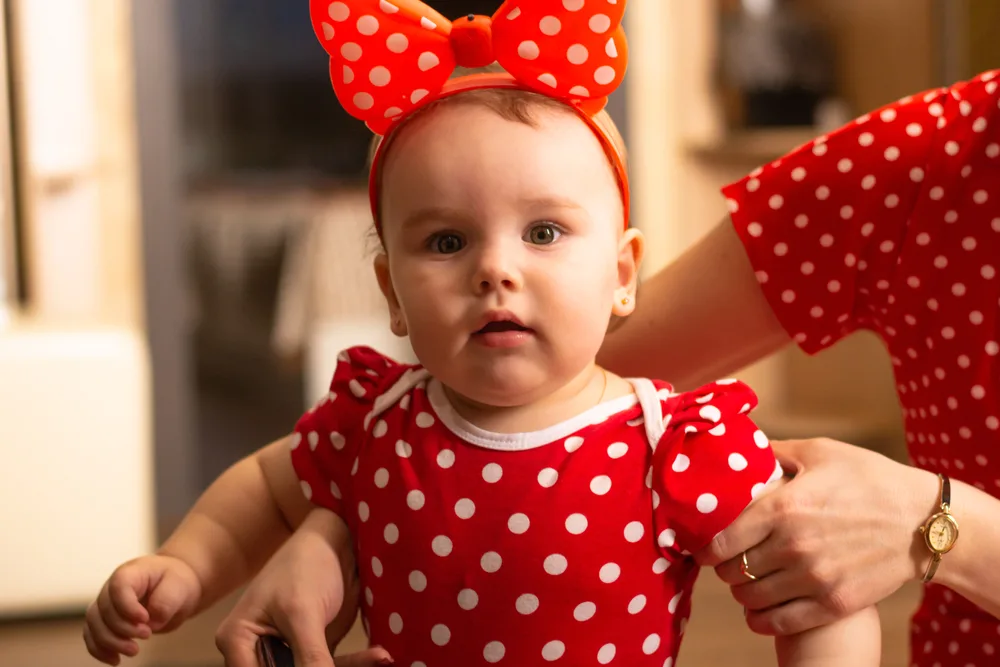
(840, 536)
(302, 596)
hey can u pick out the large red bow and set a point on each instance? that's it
(387, 57)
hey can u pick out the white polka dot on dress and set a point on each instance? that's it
(441, 545)
(610, 572)
(491, 562)
(446, 458)
(492, 473)
(584, 611)
(526, 604)
(395, 623)
(415, 499)
(440, 634)
(468, 599)
(634, 531)
(553, 650)
(548, 477)
(555, 564)
(494, 652)
(518, 523)
(600, 485)
(576, 524)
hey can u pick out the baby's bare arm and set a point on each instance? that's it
(855, 640)
(240, 521)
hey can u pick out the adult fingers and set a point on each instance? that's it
(790, 618)
(307, 637)
(771, 591)
(762, 561)
(238, 644)
(751, 528)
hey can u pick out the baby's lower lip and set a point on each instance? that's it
(503, 339)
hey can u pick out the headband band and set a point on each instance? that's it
(390, 58)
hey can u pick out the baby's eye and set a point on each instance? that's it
(543, 234)
(447, 244)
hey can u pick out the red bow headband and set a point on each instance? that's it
(391, 57)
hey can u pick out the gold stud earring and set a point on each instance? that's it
(625, 300)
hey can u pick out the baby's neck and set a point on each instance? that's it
(588, 389)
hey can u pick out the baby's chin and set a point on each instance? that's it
(506, 384)
(512, 391)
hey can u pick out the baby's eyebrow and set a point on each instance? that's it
(551, 202)
(434, 214)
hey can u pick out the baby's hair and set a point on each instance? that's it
(512, 104)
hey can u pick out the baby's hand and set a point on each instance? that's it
(143, 596)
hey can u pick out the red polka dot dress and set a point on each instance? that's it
(892, 224)
(568, 545)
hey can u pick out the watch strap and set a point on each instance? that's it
(932, 567)
(945, 490)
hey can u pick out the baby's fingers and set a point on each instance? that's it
(168, 604)
(117, 615)
(127, 586)
(105, 641)
(100, 654)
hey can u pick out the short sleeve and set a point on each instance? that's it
(708, 466)
(327, 439)
(824, 225)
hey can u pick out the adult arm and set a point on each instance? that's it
(700, 318)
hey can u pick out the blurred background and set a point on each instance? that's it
(184, 247)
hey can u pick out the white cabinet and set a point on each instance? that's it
(76, 489)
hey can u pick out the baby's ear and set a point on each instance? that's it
(397, 322)
(631, 249)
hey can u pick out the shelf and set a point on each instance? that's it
(754, 146)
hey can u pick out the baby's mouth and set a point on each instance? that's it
(502, 326)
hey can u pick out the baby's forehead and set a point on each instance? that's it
(536, 130)
(479, 156)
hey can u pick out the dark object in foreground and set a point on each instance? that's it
(274, 652)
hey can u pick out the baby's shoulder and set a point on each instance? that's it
(365, 384)
(723, 395)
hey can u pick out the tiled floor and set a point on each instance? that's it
(716, 636)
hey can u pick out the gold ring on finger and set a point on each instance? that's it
(745, 569)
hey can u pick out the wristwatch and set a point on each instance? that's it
(940, 531)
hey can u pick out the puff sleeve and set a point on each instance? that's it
(824, 226)
(709, 464)
(327, 439)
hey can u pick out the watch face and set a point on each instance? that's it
(942, 532)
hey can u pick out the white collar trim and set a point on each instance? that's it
(511, 442)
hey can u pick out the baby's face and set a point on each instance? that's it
(506, 253)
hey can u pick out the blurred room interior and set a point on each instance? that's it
(185, 246)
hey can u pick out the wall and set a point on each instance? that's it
(156, 89)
